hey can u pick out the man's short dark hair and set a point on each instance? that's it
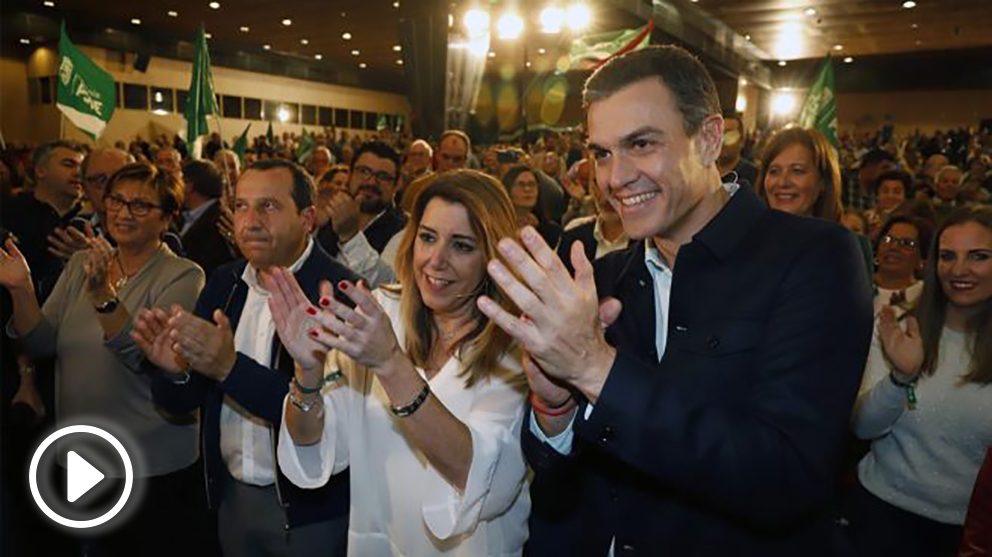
(303, 189)
(895, 176)
(44, 152)
(381, 150)
(682, 73)
(204, 178)
(876, 156)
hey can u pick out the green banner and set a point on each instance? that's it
(241, 145)
(86, 95)
(201, 101)
(305, 148)
(592, 50)
(819, 111)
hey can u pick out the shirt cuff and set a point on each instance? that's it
(310, 466)
(562, 443)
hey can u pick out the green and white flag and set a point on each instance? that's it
(305, 148)
(87, 95)
(241, 145)
(592, 51)
(819, 111)
(201, 100)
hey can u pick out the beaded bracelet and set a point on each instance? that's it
(324, 381)
(539, 406)
(910, 387)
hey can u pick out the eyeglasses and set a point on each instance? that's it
(137, 207)
(907, 243)
(382, 176)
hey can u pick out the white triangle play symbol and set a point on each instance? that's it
(82, 476)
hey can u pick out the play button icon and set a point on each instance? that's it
(82, 476)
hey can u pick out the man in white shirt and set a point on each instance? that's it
(226, 359)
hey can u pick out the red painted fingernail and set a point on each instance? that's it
(313, 333)
(311, 311)
(343, 285)
(325, 302)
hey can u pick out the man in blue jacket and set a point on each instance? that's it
(226, 359)
(709, 418)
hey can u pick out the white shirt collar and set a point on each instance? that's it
(250, 274)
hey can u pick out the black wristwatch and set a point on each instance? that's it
(108, 307)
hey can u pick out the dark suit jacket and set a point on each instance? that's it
(730, 445)
(204, 244)
(259, 389)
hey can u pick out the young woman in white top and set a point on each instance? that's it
(422, 397)
(926, 405)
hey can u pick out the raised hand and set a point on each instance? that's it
(365, 334)
(63, 242)
(561, 326)
(14, 271)
(343, 212)
(151, 335)
(98, 257)
(903, 348)
(295, 318)
(207, 347)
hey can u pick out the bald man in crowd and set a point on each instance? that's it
(452, 154)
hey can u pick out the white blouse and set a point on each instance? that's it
(401, 505)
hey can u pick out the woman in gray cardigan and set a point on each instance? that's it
(102, 377)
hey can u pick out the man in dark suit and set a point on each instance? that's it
(200, 235)
(226, 359)
(709, 418)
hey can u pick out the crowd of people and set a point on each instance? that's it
(388, 345)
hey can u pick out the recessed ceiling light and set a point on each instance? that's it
(838, 47)
(25, 41)
(782, 62)
(492, 54)
(810, 11)
(287, 22)
(747, 37)
(346, 36)
(848, 60)
(304, 42)
(541, 51)
(266, 46)
(528, 63)
(918, 42)
(135, 21)
(49, 4)
(915, 26)
(318, 56)
(214, 5)
(355, 53)
(173, 13)
(399, 62)
(363, 65)
(396, 4)
(909, 4)
(397, 48)
(245, 29)
(208, 35)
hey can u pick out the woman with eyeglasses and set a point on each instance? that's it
(523, 184)
(900, 253)
(925, 402)
(101, 375)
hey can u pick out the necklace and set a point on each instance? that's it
(121, 282)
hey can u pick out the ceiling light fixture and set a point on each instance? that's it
(848, 60)
(915, 26)
(208, 35)
(476, 22)
(783, 103)
(245, 29)
(214, 5)
(287, 22)
(397, 48)
(49, 4)
(578, 17)
(747, 37)
(173, 13)
(363, 65)
(782, 62)
(838, 47)
(552, 19)
(909, 4)
(318, 56)
(811, 12)
(541, 51)
(304, 42)
(25, 41)
(396, 4)
(266, 47)
(135, 21)
(510, 26)
(346, 36)
(355, 53)
(399, 62)
(492, 54)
